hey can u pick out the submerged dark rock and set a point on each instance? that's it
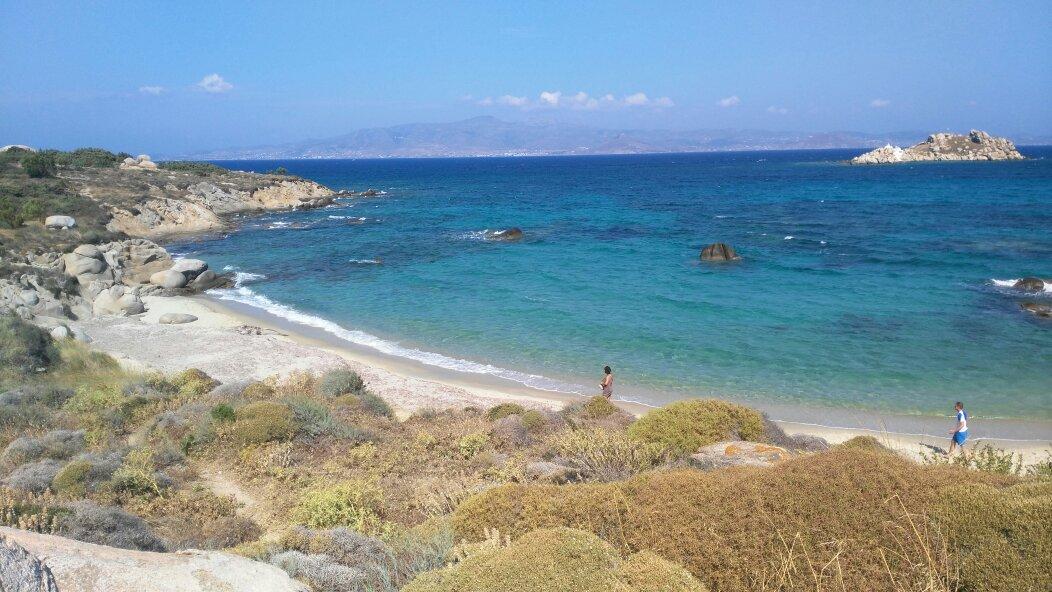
(719, 252)
(1030, 284)
(509, 234)
(1043, 311)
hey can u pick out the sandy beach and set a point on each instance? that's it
(234, 343)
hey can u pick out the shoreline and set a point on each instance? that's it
(213, 344)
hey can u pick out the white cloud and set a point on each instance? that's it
(730, 101)
(513, 101)
(214, 83)
(777, 110)
(151, 90)
(551, 98)
(879, 103)
(554, 99)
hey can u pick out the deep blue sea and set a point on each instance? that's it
(861, 287)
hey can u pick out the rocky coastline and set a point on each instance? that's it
(976, 145)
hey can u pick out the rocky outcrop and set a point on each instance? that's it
(85, 567)
(977, 145)
(148, 201)
(719, 252)
(21, 571)
(737, 454)
(1038, 309)
(119, 301)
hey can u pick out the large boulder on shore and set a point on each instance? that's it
(85, 567)
(83, 259)
(118, 300)
(191, 268)
(59, 222)
(719, 252)
(168, 279)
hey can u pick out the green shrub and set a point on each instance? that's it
(24, 348)
(263, 421)
(685, 426)
(598, 407)
(340, 382)
(737, 527)
(33, 209)
(504, 410)
(534, 421)
(89, 399)
(607, 456)
(470, 445)
(89, 157)
(40, 164)
(185, 166)
(554, 560)
(10, 215)
(223, 413)
(354, 504)
(70, 480)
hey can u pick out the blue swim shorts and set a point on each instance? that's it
(960, 437)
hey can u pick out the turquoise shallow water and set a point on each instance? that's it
(860, 287)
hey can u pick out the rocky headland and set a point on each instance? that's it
(976, 145)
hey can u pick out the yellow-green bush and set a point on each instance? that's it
(263, 421)
(534, 421)
(598, 407)
(89, 399)
(136, 474)
(1002, 537)
(356, 504)
(736, 529)
(685, 426)
(504, 410)
(864, 443)
(193, 383)
(70, 480)
(554, 560)
(258, 391)
(472, 444)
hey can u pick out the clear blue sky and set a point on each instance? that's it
(174, 76)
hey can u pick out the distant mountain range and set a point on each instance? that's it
(488, 136)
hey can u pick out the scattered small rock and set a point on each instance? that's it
(551, 472)
(59, 222)
(61, 332)
(369, 193)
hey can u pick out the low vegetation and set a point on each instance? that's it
(315, 475)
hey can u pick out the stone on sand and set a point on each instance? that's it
(176, 318)
(168, 279)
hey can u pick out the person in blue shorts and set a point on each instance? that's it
(960, 433)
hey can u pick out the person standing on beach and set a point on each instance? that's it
(608, 382)
(960, 433)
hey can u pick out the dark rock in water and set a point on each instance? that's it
(1030, 284)
(719, 252)
(209, 280)
(369, 193)
(509, 234)
(1041, 310)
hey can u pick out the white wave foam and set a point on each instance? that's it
(244, 277)
(474, 235)
(365, 261)
(1011, 284)
(338, 217)
(279, 225)
(789, 237)
(247, 296)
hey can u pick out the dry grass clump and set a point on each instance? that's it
(870, 443)
(604, 455)
(107, 525)
(685, 426)
(340, 382)
(193, 383)
(196, 518)
(759, 525)
(258, 391)
(554, 560)
(599, 407)
(263, 421)
(24, 348)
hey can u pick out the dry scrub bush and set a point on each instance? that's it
(193, 383)
(555, 560)
(59, 444)
(261, 422)
(1002, 537)
(356, 504)
(35, 477)
(367, 403)
(197, 518)
(730, 527)
(24, 348)
(258, 391)
(70, 480)
(136, 474)
(28, 511)
(604, 455)
(685, 426)
(340, 382)
(104, 525)
(471, 445)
